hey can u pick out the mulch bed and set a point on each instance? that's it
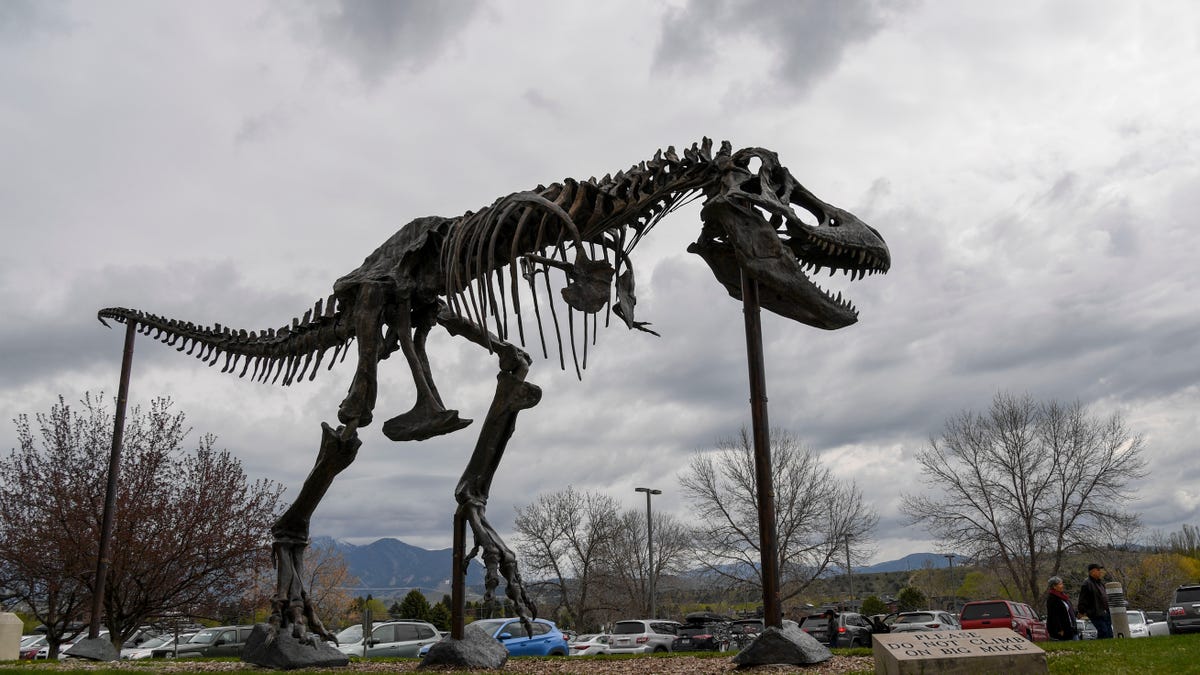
(672, 665)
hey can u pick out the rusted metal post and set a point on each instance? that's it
(458, 580)
(114, 472)
(768, 541)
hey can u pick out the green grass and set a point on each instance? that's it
(1168, 654)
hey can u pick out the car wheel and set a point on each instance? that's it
(855, 643)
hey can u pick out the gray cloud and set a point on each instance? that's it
(379, 37)
(807, 38)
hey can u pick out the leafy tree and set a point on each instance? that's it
(190, 530)
(872, 604)
(439, 616)
(1026, 484)
(414, 606)
(816, 514)
(911, 599)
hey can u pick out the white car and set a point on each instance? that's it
(932, 619)
(1157, 621)
(593, 643)
(1138, 628)
(642, 636)
(144, 650)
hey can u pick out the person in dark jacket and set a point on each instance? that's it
(1060, 614)
(1093, 601)
(831, 629)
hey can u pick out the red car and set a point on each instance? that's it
(1018, 616)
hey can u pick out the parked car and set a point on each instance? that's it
(29, 647)
(852, 629)
(1183, 616)
(933, 619)
(643, 636)
(219, 641)
(1086, 630)
(146, 649)
(547, 639)
(1018, 616)
(703, 631)
(1138, 627)
(1157, 623)
(589, 644)
(390, 638)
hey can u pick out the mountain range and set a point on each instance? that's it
(391, 568)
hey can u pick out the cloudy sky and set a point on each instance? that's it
(1034, 167)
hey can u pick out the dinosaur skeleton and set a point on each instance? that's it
(469, 275)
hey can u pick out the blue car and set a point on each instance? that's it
(547, 639)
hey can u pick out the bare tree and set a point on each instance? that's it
(1026, 484)
(627, 568)
(563, 538)
(593, 555)
(816, 514)
(189, 533)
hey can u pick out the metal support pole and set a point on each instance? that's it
(650, 549)
(768, 542)
(458, 580)
(114, 471)
(849, 571)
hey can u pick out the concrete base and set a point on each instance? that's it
(788, 645)
(287, 653)
(95, 649)
(477, 650)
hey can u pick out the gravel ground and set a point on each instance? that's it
(673, 665)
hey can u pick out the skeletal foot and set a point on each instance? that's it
(419, 424)
(499, 562)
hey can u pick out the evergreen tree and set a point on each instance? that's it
(414, 606)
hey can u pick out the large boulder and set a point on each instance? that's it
(283, 652)
(783, 645)
(476, 650)
(95, 649)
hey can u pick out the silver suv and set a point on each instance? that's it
(642, 636)
(391, 638)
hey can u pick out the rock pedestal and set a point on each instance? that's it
(477, 650)
(783, 645)
(94, 649)
(287, 653)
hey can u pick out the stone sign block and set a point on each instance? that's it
(966, 652)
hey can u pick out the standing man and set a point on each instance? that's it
(831, 629)
(1093, 601)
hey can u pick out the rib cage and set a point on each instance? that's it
(595, 218)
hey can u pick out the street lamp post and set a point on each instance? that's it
(649, 546)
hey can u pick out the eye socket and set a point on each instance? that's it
(833, 222)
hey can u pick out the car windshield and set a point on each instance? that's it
(350, 635)
(1135, 616)
(629, 628)
(489, 626)
(984, 610)
(919, 617)
(205, 636)
(157, 642)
